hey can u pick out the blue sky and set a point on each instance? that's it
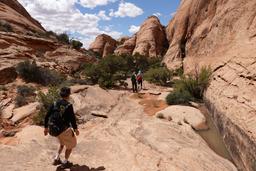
(85, 19)
(149, 7)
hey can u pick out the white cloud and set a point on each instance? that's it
(126, 9)
(134, 29)
(94, 3)
(103, 16)
(173, 14)
(62, 16)
(158, 14)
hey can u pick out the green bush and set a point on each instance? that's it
(46, 101)
(115, 69)
(63, 38)
(160, 75)
(76, 44)
(179, 97)
(190, 87)
(30, 72)
(195, 83)
(5, 26)
(108, 71)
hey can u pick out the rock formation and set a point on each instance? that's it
(27, 40)
(151, 39)
(103, 45)
(127, 47)
(14, 13)
(222, 34)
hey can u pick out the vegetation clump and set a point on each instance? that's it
(76, 44)
(115, 69)
(190, 87)
(46, 101)
(30, 72)
(160, 76)
(5, 26)
(25, 95)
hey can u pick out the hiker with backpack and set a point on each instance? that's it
(139, 78)
(134, 82)
(59, 121)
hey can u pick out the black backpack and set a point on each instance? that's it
(56, 122)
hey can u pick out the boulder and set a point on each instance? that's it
(25, 111)
(186, 114)
(7, 112)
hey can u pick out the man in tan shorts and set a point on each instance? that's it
(65, 117)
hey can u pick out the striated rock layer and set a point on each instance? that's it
(222, 34)
(26, 40)
(16, 15)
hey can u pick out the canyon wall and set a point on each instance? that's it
(221, 34)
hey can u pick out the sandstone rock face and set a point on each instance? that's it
(127, 47)
(185, 114)
(103, 45)
(15, 14)
(151, 39)
(127, 140)
(221, 34)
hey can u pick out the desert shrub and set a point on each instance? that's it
(5, 26)
(46, 101)
(25, 94)
(195, 83)
(190, 87)
(115, 69)
(160, 116)
(108, 71)
(179, 97)
(63, 38)
(3, 88)
(160, 75)
(25, 90)
(20, 101)
(76, 44)
(30, 72)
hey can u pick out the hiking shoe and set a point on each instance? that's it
(56, 162)
(66, 165)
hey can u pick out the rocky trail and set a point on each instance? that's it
(128, 139)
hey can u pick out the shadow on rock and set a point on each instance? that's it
(81, 168)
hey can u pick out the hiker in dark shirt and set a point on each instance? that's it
(134, 82)
(66, 137)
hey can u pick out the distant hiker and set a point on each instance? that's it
(58, 122)
(134, 82)
(139, 79)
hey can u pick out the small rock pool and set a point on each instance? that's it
(213, 137)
